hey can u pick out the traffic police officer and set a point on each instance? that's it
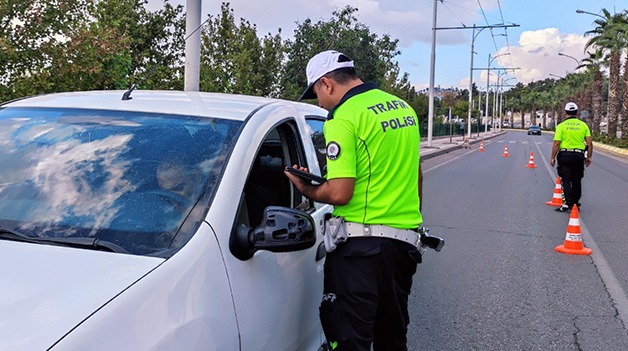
(569, 150)
(374, 182)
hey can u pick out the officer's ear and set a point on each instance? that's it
(326, 85)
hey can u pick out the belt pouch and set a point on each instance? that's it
(334, 232)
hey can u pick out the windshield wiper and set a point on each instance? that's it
(83, 243)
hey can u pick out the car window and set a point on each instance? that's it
(267, 184)
(315, 125)
(127, 178)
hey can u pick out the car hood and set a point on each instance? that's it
(46, 291)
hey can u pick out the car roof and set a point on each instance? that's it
(230, 106)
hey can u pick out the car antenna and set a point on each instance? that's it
(127, 94)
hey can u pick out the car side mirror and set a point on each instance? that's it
(282, 230)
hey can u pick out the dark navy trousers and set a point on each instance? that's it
(367, 282)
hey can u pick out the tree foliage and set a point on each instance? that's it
(67, 45)
(92, 45)
(49, 46)
(29, 31)
(373, 56)
(235, 60)
(611, 36)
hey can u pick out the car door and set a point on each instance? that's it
(276, 295)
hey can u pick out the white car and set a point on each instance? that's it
(159, 222)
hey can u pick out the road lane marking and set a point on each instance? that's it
(466, 153)
(446, 162)
(613, 287)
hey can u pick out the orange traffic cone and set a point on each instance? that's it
(573, 239)
(531, 161)
(506, 151)
(557, 198)
(481, 146)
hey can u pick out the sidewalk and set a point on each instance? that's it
(441, 144)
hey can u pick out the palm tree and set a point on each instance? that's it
(624, 109)
(557, 96)
(609, 36)
(534, 100)
(544, 103)
(593, 64)
(624, 122)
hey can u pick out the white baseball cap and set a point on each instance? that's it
(571, 106)
(321, 64)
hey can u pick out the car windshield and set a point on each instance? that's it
(129, 179)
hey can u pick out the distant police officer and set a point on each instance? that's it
(571, 138)
(374, 181)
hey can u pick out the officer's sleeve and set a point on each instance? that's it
(587, 130)
(341, 148)
(558, 136)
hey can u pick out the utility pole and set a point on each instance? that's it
(192, 46)
(430, 120)
(488, 78)
(430, 113)
(473, 36)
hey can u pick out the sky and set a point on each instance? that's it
(529, 51)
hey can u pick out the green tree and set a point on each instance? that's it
(461, 109)
(556, 102)
(624, 106)
(85, 45)
(593, 65)
(235, 60)
(28, 31)
(156, 41)
(624, 109)
(609, 36)
(374, 55)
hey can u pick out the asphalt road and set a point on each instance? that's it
(498, 284)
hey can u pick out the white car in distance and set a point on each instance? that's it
(160, 222)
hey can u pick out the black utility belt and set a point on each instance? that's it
(573, 150)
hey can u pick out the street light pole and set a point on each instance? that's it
(479, 109)
(571, 57)
(430, 113)
(503, 85)
(498, 100)
(488, 78)
(495, 94)
(192, 46)
(590, 13)
(433, 59)
(501, 103)
(473, 36)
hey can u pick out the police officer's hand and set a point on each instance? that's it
(552, 162)
(587, 161)
(299, 182)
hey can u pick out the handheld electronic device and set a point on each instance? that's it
(306, 175)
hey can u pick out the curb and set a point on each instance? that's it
(617, 151)
(443, 151)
